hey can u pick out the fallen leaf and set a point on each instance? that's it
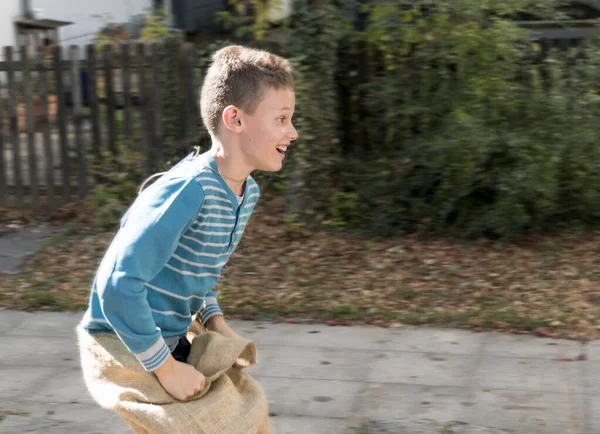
(545, 279)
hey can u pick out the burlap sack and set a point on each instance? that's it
(232, 401)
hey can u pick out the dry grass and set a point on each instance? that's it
(547, 285)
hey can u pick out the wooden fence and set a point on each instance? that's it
(57, 111)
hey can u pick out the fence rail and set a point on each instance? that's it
(57, 111)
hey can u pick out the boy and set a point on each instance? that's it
(162, 266)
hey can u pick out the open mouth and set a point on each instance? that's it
(281, 149)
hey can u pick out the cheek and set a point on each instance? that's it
(254, 132)
(268, 134)
(260, 130)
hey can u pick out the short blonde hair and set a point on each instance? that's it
(239, 76)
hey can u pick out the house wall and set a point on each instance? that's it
(87, 16)
(9, 9)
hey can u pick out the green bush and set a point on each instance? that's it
(315, 159)
(441, 116)
(117, 182)
(457, 122)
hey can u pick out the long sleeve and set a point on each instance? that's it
(148, 237)
(212, 307)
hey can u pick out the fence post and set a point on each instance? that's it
(3, 180)
(193, 115)
(155, 113)
(14, 125)
(62, 124)
(30, 127)
(144, 101)
(126, 79)
(110, 98)
(181, 89)
(77, 113)
(45, 123)
(93, 98)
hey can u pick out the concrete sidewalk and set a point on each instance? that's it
(327, 380)
(17, 246)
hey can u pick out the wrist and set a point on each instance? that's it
(215, 322)
(167, 367)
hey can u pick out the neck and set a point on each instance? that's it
(231, 166)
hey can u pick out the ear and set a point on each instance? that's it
(232, 118)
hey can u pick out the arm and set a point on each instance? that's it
(140, 250)
(217, 324)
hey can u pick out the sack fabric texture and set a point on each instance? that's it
(231, 403)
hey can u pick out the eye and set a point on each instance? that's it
(281, 120)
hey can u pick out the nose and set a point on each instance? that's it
(293, 134)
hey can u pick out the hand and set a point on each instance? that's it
(180, 380)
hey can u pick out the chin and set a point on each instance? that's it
(276, 167)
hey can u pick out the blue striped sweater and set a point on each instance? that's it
(165, 260)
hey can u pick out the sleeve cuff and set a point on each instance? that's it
(208, 312)
(155, 356)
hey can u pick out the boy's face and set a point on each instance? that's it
(269, 131)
